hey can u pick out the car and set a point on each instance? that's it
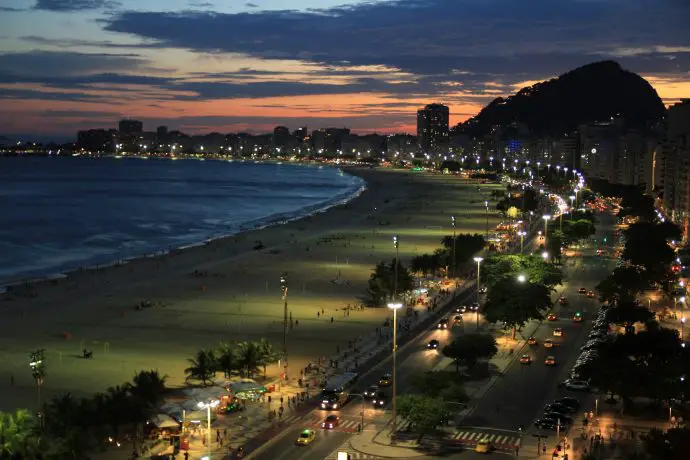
(443, 324)
(461, 309)
(558, 332)
(433, 344)
(582, 290)
(380, 400)
(330, 422)
(306, 437)
(562, 300)
(457, 319)
(560, 408)
(563, 419)
(371, 391)
(551, 317)
(591, 294)
(546, 424)
(573, 403)
(483, 290)
(385, 380)
(475, 307)
(577, 317)
(532, 341)
(548, 343)
(550, 360)
(576, 385)
(483, 446)
(525, 359)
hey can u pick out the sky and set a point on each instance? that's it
(238, 65)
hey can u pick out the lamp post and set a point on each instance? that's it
(521, 278)
(38, 371)
(682, 328)
(208, 406)
(545, 255)
(486, 205)
(395, 270)
(452, 222)
(546, 218)
(284, 296)
(394, 425)
(572, 206)
(479, 261)
(522, 240)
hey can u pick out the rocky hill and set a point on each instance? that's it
(594, 92)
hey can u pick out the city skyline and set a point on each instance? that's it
(201, 67)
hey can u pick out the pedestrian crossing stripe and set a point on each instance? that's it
(495, 438)
(353, 454)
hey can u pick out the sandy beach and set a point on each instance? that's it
(227, 290)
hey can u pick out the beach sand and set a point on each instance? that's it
(328, 258)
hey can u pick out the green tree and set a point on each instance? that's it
(70, 425)
(440, 384)
(468, 349)
(673, 444)
(466, 246)
(515, 303)
(623, 285)
(382, 282)
(249, 357)
(267, 354)
(424, 413)
(554, 245)
(19, 437)
(425, 264)
(202, 367)
(628, 313)
(226, 358)
(535, 269)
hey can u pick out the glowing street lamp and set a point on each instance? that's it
(521, 278)
(452, 222)
(396, 243)
(394, 425)
(284, 297)
(208, 406)
(479, 261)
(545, 255)
(546, 218)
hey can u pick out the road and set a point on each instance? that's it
(517, 398)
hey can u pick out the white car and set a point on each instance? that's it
(576, 385)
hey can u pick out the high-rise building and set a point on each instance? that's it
(130, 127)
(432, 128)
(162, 132)
(281, 136)
(676, 153)
(97, 140)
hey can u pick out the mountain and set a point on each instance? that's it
(594, 92)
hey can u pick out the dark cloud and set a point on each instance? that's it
(62, 64)
(75, 5)
(52, 95)
(431, 37)
(251, 5)
(8, 9)
(77, 114)
(76, 42)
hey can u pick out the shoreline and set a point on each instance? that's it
(7, 285)
(227, 290)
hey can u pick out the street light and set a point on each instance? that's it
(395, 273)
(208, 406)
(284, 296)
(479, 261)
(546, 218)
(545, 255)
(395, 307)
(572, 205)
(522, 240)
(452, 222)
(682, 328)
(521, 278)
(486, 205)
(37, 364)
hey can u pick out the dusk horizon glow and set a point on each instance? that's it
(199, 67)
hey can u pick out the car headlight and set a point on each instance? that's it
(335, 406)
(330, 425)
(323, 406)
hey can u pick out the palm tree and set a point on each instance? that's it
(249, 357)
(202, 367)
(71, 427)
(148, 388)
(227, 359)
(19, 435)
(267, 354)
(119, 407)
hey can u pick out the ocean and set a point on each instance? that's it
(61, 214)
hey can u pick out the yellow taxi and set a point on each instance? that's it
(483, 446)
(548, 343)
(525, 359)
(385, 380)
(558, 332)
(306, 437)
(550, 361)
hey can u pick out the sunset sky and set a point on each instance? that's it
(228, 66)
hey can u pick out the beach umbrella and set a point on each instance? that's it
(164, 421)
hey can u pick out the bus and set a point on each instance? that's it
(336, 391)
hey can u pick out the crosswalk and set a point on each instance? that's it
(498, 439)
(353, 454)
(344, 425)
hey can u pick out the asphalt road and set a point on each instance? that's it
(413, 359)
(517, 399)
(518, 396)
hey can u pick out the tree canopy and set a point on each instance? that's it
(515, 303)
(468, 349)
(424, 413)
(535, 269)
(382, 282)
(623, 285)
